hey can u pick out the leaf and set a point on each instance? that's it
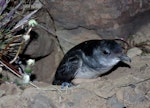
(9, 15)
(24, 20)
(27, 70)
(3, 5)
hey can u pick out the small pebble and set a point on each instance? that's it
(134, 52)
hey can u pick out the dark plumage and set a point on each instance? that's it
(89, 59)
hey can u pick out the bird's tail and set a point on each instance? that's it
(57, 82)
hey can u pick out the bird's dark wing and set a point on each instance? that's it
(67, 68)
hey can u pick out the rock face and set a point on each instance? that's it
(109, 18)
(70, 38)
(42, 43)
(44, 48)
(45, 68)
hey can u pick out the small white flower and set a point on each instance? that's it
(26, 79)
(26, 37)
(30, 62)
(32, 23)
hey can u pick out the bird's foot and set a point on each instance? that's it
(66, 84)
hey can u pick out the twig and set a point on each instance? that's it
(10, 68)
(126, 85)
(34, 85)
(14, 71)
(14, 59)
(1, 53)
(49, 31)
(11, 37)
(121, 39)
(8, 17)
(19, 49)
(29, 30)
(24, 20)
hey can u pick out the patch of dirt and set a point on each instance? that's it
(124, 87)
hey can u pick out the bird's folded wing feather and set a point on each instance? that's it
(67, 68)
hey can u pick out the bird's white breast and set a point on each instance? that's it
(85, 72)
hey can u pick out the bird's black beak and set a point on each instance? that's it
(124, 57)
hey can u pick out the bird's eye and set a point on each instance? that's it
(106, 52)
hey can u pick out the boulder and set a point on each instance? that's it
(41, 41)
(44, 47)
(109, 18)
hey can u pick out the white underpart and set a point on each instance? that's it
(86, 72)
(111, 62)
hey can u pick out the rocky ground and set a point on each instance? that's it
(123, 88)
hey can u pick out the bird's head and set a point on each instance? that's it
(111, 53)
